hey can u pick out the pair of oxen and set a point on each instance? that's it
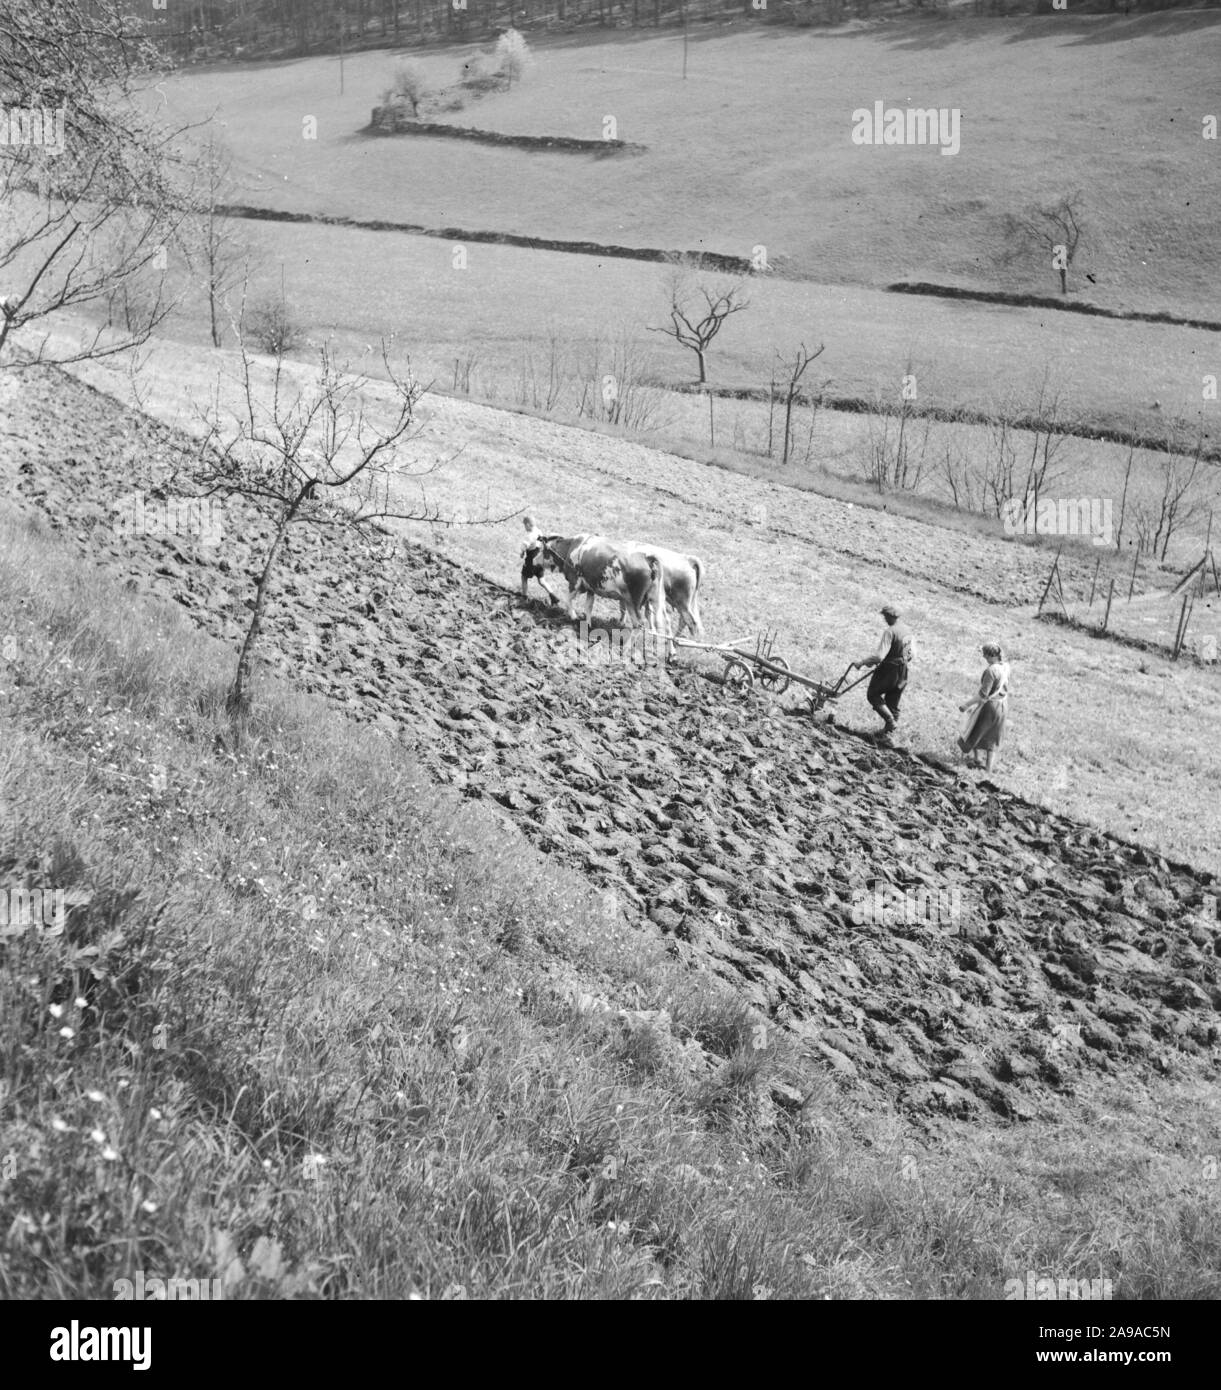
(646, 580)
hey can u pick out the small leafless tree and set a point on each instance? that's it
(1049, 429)
(617, 384)
(1000, 467)
(543, 389)
(223, 257)
(1055, 228)
(463, 367)
(1181, 498)
(91, 203)
(794, 371)
(698, 307)
(963, 478)
(271, 324)
(309, 455)
(893, 461)
(1127, 475)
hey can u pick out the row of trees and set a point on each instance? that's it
(217, 28)
(1021, 454)
(234, 28)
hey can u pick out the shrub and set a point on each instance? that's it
(512, 58)
(409, 86)
(271, 325)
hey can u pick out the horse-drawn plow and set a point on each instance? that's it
(745, 668)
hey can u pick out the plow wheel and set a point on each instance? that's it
(739, 677)
(773, 681)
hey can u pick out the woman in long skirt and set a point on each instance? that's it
(986, 723)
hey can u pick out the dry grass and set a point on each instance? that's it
(316, 1030)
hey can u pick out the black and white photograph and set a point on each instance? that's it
(609, 619)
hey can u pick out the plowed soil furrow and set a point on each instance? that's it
(754, 839)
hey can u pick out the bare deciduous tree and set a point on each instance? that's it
(307, 454)
(1049, 430)
(962, 476)
(223, 256)
(89, 201)
(892, 461)
(1127, 476)
(1055, 228)
(795, 370)
(616, 386)
(698, 308)
(1182, 497)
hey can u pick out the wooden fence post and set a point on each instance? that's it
(1094, 580)
(1047, 587)
(1106, 617)
(1132, 581)
(1182, 628)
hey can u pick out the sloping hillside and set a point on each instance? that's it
(741, 832)
(754, 146)
(1097, 732)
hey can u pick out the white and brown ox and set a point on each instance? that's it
(683, 574)
(596, 568)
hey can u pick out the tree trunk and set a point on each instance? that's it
(238, 701)
(699, 352)
(212, 312)
(788, 418)
(771, 414)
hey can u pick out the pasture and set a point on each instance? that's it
(765, 110)
(509, 301)
(754, 148)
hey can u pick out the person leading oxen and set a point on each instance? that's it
(596, 568)
(532, 566)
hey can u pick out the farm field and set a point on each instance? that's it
(1103, 733)
(755, 149)
(373, 930)
(392, 1017)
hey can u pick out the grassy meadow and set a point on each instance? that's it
(508, 302)
(495, 318)
(316, 1029)
(754, 147)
